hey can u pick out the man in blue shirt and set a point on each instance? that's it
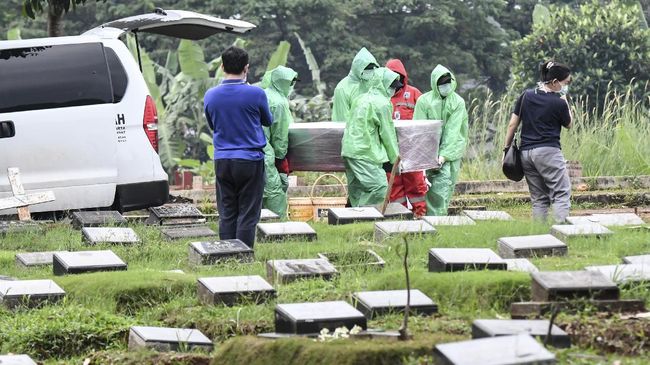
(236, 112)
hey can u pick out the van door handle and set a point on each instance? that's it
(7, 129)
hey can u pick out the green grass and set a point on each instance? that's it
(612, 142)
(100, 307)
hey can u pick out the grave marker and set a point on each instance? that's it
(290, 270)
(281, 231)
(397, 211)
(337, 216)
(567, 231)
(181, 232)
(374, 303)
(20, 200)
(449, 220)
(118, 235)
(611, 219)
(562, 285)
(233, 290)
(175, 214)
(482, 328)
(523, 265)
(16, 360)
(268, 215)
(168, 339)
(18, 227)
(86, 261)
(531, 246)
(97, 219)
(503, 350)
(487, 215)
(29, 293)
(303, 318)
(639, 259)
(212, 252)
(387, 229)
(32, 259)
(367, 259)
(458, 259)
(621, 274)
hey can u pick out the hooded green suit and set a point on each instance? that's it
(370, 140)
(348, 89)
(277, 86)
(453, 141)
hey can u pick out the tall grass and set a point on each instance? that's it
(613, 141)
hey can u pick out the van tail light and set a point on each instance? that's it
(150, 122)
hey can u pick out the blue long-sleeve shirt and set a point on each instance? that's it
(236, 113)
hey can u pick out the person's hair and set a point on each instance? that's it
(444, 79)
(234, 59)
(552, 70)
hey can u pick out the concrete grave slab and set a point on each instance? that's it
(626, 273)
(167, 339)
(562, 285)
(487, 215)
(6, 278)
(639, 259)
(397, 211)
(268, 215)
(232, 290)
(337, 216)
(303, 318)
(175, 214)
(523, 265)
(503, 350)
(531, 246)
(289, 270)
(538, 328)
(16, 360)
(387, 229)
(568, 231)
(32, 259)
(119, 235)
(449, 220)
(458, 259)
(11, 227)
(612, 219)
(281, 231)
(86, 261)
(29, 293)
(181, 232)
(374, 303)
(367, 259)
(100, 218)
(212, 252)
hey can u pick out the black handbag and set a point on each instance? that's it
(512, 167)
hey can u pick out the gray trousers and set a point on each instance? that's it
(548, 182)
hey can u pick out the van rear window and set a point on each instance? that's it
(56, 76)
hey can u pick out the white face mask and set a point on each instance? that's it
(367, 74)
(564, 90)
(445, 89)
(391, 91)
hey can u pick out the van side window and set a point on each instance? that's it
(55, 76)
(119, 78)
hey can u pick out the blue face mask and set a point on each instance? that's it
(445, 89)
(564, 90)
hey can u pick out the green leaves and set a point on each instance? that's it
(192, 60)
(541, 16)
(13, 34)
(279, 57)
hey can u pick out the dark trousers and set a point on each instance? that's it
(240, 186)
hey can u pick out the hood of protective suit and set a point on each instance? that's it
(279, 79)
(397, 66)
(360, 62)
(436, 74)
(380, 82)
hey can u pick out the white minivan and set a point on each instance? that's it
(77, 119)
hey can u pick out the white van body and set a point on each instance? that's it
(76, 117)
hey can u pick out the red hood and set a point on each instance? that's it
(397, 66)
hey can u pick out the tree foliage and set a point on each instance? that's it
(606, 46)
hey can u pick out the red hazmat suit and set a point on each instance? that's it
(409, 185)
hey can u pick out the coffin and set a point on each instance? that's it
(317, 146)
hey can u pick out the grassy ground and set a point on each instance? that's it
(94, 318)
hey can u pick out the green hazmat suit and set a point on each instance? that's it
(370, 140)
(453, 140)
(348, 89)
(277, 86)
